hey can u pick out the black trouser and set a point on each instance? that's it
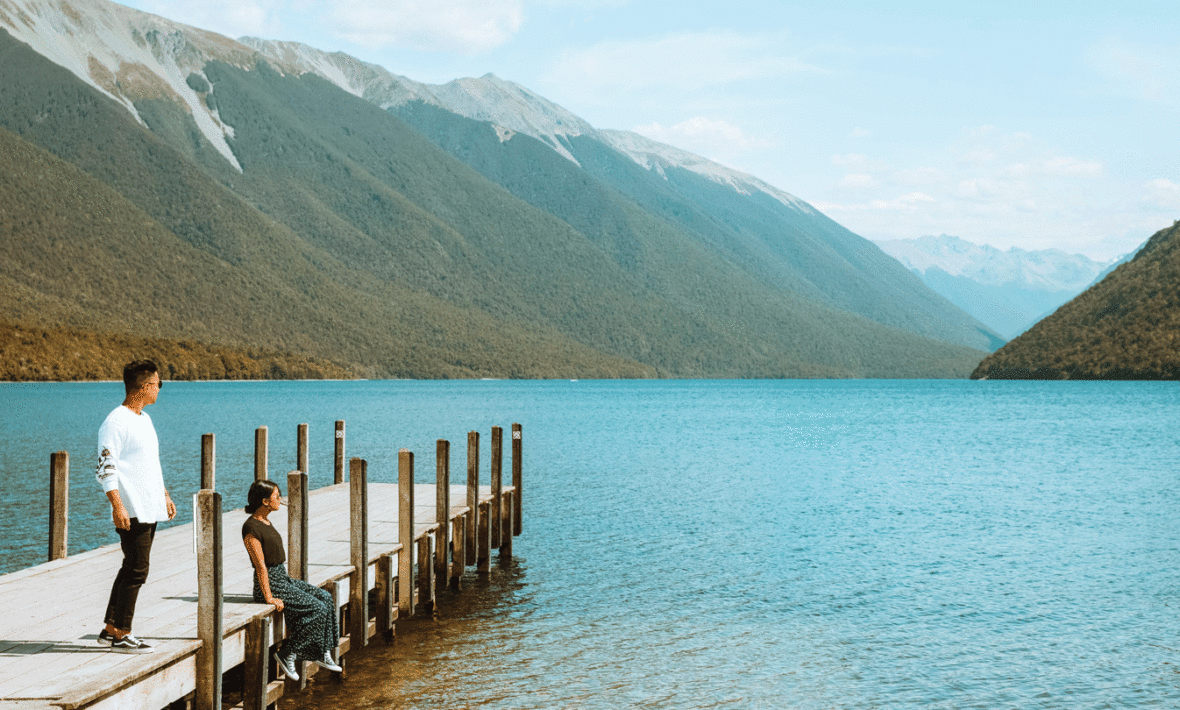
(137, 549)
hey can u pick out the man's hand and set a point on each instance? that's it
(119, 515)
(171, 505)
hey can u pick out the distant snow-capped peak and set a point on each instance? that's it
(127, 54)
(1049, 270)
(504, 104)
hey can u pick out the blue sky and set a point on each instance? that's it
(1028, 124)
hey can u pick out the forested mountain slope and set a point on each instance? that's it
(1127, 326)
(249, 206)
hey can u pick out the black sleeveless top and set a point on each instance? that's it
(272, 541)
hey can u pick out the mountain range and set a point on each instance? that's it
(166, 182)
(1007, 290)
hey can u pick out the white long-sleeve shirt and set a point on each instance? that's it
(129, 462)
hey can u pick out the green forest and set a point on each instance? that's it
(1127, 327)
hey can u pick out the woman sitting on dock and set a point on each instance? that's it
(309, 611)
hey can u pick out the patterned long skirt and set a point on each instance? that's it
(308, 613)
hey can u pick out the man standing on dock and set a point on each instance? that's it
(130, 473)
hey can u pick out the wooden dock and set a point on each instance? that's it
(408, 540)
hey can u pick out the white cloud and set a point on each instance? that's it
(1162, 193)
(232, 18)
(906, 203)
(714, 139)
(858, 181)
(859, 161)
(914, 177)
(684, 61)
(909, 202)
(1055, 166)
(467, 26)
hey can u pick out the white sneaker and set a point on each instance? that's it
(287, 666)
(328, 663)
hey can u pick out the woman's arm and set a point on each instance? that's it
(254, 548)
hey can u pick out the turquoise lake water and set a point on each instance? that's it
(733, 544)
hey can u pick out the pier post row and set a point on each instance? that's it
(203, 632)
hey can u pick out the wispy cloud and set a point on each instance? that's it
(232, 18)
(1145, 73)
(1162, 193)
(857, 181)
(684, 61)
(465, 26)
(715, 139)
(859, 161)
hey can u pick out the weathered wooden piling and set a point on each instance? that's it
(425, 587)
(517, 475)
(483, 555)
(505, 550)
(442, 510)
(405, 518)
(256, 664)
(209, 601)
(497, 485)
(385, 612)
(358, 586)
(472, 523)
(338, 466)
(458, 550)
(59, 504)
(260, 444)
(301, 448)
(297, 525)
(208, 462)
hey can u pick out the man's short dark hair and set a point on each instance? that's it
(136, 373)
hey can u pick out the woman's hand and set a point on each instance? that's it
(277, 602)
